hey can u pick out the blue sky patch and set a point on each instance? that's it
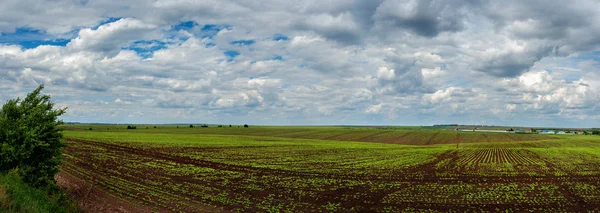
(210, 30)
(186, 25)
(243, 42)
(278, 58)
(109, 20)
(231, 54)
(34, 44)
(589, 56)
(210, 44)
(215, 27)
(30, 38)
(280, 37)
(145, 49)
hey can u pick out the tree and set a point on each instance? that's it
(245, 125)
(30, 140)
(191, 126)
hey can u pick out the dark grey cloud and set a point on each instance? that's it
(425, 18)
(351, 61)
(545, 28)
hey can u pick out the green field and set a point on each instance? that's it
(334, 169)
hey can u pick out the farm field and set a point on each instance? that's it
(328, 169)
(400, 135)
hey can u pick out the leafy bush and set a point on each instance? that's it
(30, 141)
(245, 125)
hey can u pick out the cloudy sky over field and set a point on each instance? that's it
(308, 62)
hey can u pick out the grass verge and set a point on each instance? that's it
(16, 196)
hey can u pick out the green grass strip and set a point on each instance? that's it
(16, 196)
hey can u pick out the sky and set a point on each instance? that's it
(308, 62)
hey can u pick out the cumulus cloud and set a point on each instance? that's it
(341, 27)
(424, 18)
(110, 37)
(308, 62)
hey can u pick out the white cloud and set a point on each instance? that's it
(110, 37)
(385, 73)
(432, 73)
(392, 61)
(373, 109)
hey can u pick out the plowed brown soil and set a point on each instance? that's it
(108, 184)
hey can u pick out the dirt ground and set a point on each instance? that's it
(93, 195)
(92, 198)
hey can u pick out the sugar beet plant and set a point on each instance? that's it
(30, 142)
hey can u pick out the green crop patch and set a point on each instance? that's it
(336, 169)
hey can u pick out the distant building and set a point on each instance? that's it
(560, 133)
(523, 130)
(579, 132)
(545, 131)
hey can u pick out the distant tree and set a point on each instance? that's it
(596, 132)
(220, 126)
(245, 125)
(90, 128)
(155, 127)
(131, 127)
(191, 126)
(30, 140)
(229, 125)
(177, 127)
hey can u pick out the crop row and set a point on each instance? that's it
(210, 173)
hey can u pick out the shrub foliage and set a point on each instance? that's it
(30, 140)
